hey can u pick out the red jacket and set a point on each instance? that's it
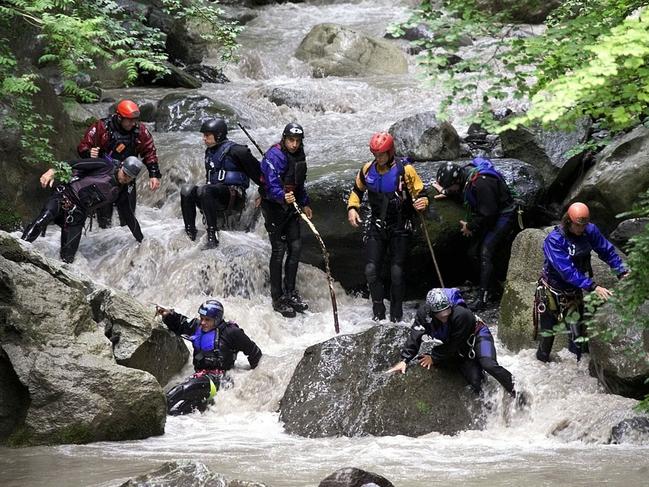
(120, 145)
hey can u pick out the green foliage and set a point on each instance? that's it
(75, 35)
(591, 60)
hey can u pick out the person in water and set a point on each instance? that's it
(95, 183)
(283, 170)
(229, 167)
(466, 341)
(216, 343)
(395, 193)
(566, 274)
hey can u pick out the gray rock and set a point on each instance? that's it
(423, 138)
(548, 151)
(634, 431)
(628, 229)
(57, 369)
(306, 100)
(516, 306)
(619, 371)
(179, 474)
(175, 77)
(186, 112)
(139, 342)
(333, 50)
(354, 477)
(322, 396)
(619, 176)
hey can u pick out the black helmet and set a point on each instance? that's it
(216, 126)
(132, 166)
(293, 130)
(449, 174)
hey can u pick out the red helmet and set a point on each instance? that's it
(579, 213)
(382, 142)
(128, 109)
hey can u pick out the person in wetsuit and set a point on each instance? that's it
(229, 167)
(95, 183)
(215, 343)
(395, 192)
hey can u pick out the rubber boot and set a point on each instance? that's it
(378, 311)
(480, 303)
(295, 301)
(212, 241)
(283, 307)
(38, 226)
(191, 232)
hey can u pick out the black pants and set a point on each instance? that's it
(549, 318)
(283, 227)
(71, 222)
(194, 393)
(482, 250)
(125, 209)
(485, 360)
(212, 200)
(378, 244)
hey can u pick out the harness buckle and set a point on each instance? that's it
(471, 343)
(70, 218)
(220, 176)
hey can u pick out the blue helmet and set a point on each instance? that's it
(212, 309)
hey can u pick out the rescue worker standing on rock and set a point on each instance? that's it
(95, 183)
(284, 174)
(492, 211)
(117, 137)
(567, 273)
(228, 169)
(465, 341)
(395, 193)
(216, 343)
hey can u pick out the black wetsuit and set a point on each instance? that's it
(457, 334)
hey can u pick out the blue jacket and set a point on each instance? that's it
(567, 258)
(274, 167)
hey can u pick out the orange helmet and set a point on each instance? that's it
(382, 142)
(128, 109)
(579, 213)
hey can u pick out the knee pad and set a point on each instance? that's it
(188, 190)
(371, 272)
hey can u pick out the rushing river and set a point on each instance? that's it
(558, 440)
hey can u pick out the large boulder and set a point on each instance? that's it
(628, 229)
(516, 306)
(619, 176)
(424, 138)
(523, 11)
(57, 368)
(619, 371)
(186, 112)
(549, 152)
(333, 50)
(354, 477)
(186, 474)
(322, 396)
(139, 342)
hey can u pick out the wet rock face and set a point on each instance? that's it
(186, 474)
(619, 176)
(423, 138)
(333, 50)
(633, 431)
(322, 396)
(617, 370)
(549, 152)
(186, 112)
(354, 477)
(58, 371)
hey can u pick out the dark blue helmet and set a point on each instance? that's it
(449, 174)
(293, 130)
(212, 309)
